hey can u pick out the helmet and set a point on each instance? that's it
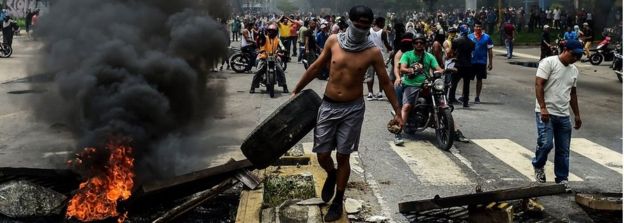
(419, 36)
(272, 27)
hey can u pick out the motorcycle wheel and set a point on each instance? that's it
(445, 134)
(6, 51)
(271, 90)
(595, 59)
(239, 63)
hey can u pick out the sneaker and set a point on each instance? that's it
(461, 99)
(398, 140)
(477, 100)
(329, 187)
(565, 184)
(379, 96)
(370, 97)
(334, 212)
(252, 90)
(540, 176)
(460, 137)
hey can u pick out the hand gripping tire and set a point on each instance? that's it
(282, 129)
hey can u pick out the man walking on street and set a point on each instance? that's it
(545, 50)
(481, 56)
(341, 113)
(509, 33)
(555, 91)
(379, 37)
(462, 49)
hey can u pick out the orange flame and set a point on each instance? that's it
(97, 198)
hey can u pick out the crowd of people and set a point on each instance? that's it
(402, 51)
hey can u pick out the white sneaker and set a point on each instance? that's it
(380, 96)
(398, 140)
(370, 97)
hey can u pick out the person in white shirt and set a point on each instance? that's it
(555, 91)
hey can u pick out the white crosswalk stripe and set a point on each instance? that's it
(599, 154)
(431, 165)
(518, 157)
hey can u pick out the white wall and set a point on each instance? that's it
(17, 8)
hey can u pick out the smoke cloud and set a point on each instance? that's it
(136, 69)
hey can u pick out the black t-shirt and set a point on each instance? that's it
(309, 34)
(545, 38)
(463, 48)
(588, 32)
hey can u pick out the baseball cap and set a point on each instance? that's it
(575, 46)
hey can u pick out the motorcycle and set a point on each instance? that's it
(269, 78)
(602, 52)
(241, 59)
(617, 62)
(432, 110)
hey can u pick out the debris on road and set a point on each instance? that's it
(19, 199)
(352, 206)
(600, 201)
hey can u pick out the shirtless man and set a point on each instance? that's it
(340, 116)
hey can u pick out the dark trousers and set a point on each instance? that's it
(7, 37)
(286, 41)
(293, 42)
(235, 35)
(462, 73)
(258, 76)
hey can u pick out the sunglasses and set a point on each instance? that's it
(418, 42)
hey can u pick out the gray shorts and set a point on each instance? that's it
(338, 126)
(409, 94)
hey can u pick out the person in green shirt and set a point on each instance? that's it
(416, 66)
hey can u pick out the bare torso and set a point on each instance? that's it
(346, 72)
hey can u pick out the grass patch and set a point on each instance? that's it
(278, 189)
(526, 38)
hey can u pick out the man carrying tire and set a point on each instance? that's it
(341, 113)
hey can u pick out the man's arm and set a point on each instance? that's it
(316, 67)
(384, 81)
(575, 109)
(384, 38)
(539, 95)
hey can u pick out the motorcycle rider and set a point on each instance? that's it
(416, 66)
(545, 50)
(271, 45)
(248, 43)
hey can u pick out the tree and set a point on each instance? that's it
(286, 6)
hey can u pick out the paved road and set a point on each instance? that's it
(502, 129)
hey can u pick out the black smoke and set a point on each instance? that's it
(132, 69)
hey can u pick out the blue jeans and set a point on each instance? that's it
(509, 45)
(399, 93)
(559, 129)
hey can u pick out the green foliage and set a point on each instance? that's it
(21, 23)
(286, 6)
(524, 37)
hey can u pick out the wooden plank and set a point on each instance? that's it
(482, 198)
(195, 200)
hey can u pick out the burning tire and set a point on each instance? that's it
(282, 129)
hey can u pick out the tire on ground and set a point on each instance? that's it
(282, 129)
